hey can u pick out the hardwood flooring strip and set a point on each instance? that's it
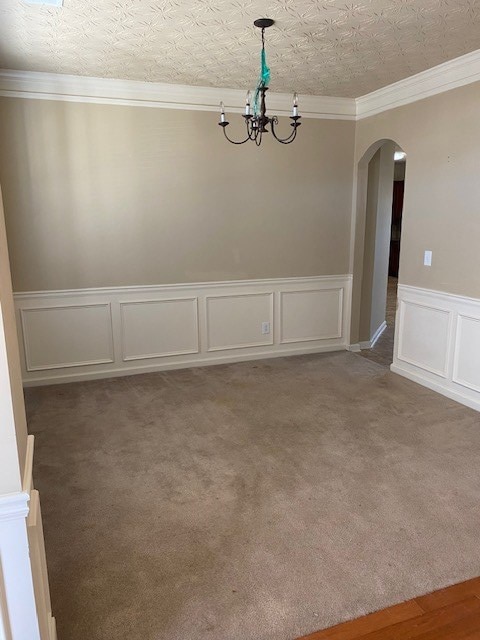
(428, 622)
(379, 620)
(446, 596)
(452, 613)
(465, 629)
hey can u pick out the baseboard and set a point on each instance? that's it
(83, 334)
(53, 628)
(437, 338)
(369, 344)
(444, 390)
(186, 364)
(354, 348)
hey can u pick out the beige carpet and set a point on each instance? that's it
(251, 501)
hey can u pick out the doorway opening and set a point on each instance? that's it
(377, 252)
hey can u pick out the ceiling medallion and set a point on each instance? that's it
(256, 122)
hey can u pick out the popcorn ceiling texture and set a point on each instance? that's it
(330, 47)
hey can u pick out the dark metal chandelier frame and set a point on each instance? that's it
(257, 122)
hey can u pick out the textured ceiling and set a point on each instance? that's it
(320, 47)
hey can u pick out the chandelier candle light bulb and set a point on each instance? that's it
(247, 103)
(257, 123)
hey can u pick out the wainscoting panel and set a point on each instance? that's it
(233, 321)
(423, 337)
(311, 315)
(159, 328)
(96, 333)
(437, 342)
(466, 369)
(59, 336)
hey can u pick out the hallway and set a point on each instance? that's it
(382, 352)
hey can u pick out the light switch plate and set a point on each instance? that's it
(427, 258)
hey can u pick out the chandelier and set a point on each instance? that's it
(256, 119)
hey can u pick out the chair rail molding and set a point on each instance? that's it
(103, 332)
(437, 342)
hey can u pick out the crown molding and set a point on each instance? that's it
(56, 86)
(449, 75)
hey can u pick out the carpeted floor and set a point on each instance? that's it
(251, 501)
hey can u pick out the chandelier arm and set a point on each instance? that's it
(289, 138)
(233, 141)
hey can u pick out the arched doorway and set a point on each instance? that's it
(377, 239)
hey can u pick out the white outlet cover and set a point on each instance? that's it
(427, 258)
(265, 328)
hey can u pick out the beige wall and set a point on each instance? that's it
(441, 136)
(99, 195)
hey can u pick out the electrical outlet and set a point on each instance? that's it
(265, 328)
(427, 258)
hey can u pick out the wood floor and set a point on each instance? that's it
(449, 614)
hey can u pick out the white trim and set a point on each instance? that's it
(338, 333)
(369, 344)
(443, 296)
(40, 85)
(24, 333)
(213, 344)
(159, 288)
(126, 303)
(443, 373)
(453, 394)
(242, 345)
(449, 75)
(458, 337)
(450, 346)
(185, 364)
(14, 506)
(56, 86)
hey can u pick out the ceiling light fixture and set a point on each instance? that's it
(399, 156)
(256, 122)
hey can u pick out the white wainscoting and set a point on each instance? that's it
(96, 333)
(25, 608)
(437, 342)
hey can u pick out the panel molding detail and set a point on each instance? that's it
(437, 342)
(155, 328)
(309, 336)
(173, 328)
(439, 334)
(467, 344)
(240, 332)
(36, 341)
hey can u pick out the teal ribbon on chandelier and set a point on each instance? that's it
(263, 81)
